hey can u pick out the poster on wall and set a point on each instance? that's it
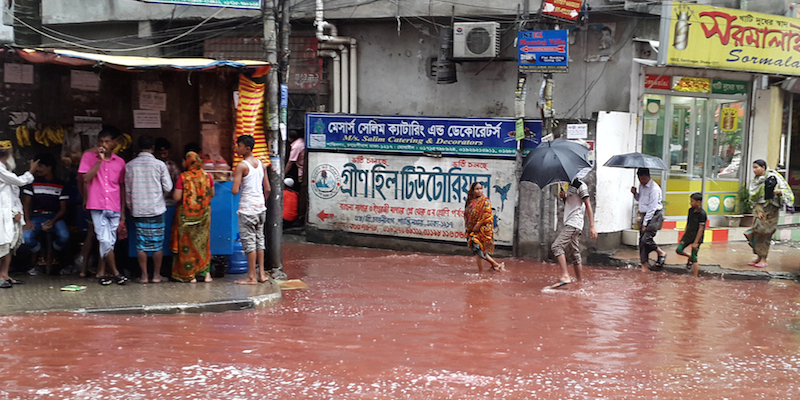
(457, 136)
(407, 196)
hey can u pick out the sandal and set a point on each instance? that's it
(120, 279)
(104, 280)
(688, 265)
(660, 262)
(15, 281)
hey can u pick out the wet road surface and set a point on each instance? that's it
(388, 325)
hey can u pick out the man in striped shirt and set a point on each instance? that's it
(146, 181)
(44, 204)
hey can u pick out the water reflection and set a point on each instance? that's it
(379, 324)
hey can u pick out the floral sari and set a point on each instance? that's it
(760, 235)
(192, 227)
(479, 213)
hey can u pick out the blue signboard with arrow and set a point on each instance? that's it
(543, 51)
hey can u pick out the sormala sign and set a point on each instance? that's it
(709, 37)
(408, 196)
(250, 4)
(479, 136)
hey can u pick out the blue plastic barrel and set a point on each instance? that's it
(237, 262)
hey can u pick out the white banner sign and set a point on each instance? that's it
(409, 196)
(84, 80)
(146, 119)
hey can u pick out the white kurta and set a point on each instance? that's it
(10, 204)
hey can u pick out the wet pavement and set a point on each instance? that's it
(43, 293)
(727, 260)
(391, 325)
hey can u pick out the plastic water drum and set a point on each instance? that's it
(237, 262)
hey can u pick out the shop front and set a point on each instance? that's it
(711, 105)
(698, 127)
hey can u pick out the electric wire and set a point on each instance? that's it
(150, 46)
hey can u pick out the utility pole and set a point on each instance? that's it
(274, 225)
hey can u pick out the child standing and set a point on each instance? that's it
(693, 235)
(250, 176)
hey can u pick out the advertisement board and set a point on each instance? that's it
(566, 9)
(456, 136)
(249, 4)
(700, 36)
(543, 51)
(407, 196)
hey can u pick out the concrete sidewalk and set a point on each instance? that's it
(725, 260)
(43, 294)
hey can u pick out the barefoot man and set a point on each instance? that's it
(576, 202)
(250, 178)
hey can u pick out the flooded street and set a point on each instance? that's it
(382, 324)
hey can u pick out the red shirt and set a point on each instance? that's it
(290, 198)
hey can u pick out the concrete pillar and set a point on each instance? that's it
(775, 126)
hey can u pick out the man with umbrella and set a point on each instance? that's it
(649, 197)
(576, 202)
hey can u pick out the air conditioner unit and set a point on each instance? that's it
(476, 40)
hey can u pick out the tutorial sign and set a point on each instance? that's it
(702, 36)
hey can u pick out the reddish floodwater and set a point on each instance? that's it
(388, 325)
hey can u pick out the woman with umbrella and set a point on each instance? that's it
(768, 192)
(479, 226)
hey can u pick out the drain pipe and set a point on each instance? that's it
(353, 76)
(349, 84)
(337, 64)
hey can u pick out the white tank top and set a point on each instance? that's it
(251, 199)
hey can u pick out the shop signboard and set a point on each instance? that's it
(663, 82)
(566, 9)
(410, 196)
(452, 136)
(701, 36)
(543, 51)
(720, 86)
(250, 4)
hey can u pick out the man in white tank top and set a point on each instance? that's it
(250, 179)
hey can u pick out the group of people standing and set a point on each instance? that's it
(768, 193)
(110, 187)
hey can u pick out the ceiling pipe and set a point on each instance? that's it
(349, 76)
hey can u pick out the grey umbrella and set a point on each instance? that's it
(636, 160)
(556, 161)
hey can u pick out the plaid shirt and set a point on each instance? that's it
(146, 181)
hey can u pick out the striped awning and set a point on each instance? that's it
(127, 63)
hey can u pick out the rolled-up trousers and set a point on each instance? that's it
(647, 243)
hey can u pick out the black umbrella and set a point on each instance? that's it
(636, 160)
(556, 161)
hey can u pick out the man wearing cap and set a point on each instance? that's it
(11, 220)
(649, 197)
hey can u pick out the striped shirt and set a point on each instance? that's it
(46, 196)
(146, 180)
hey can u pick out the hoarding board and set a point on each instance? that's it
(408, 196)
(700, 36)
(250, 4)
(456, 136)
(566, 9)
(543, 51)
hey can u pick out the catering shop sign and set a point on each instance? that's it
(408, 196)
(709, 37)
(478, 136)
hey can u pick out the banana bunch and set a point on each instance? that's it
(49, 136)
(124, 141)
(23, 136)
